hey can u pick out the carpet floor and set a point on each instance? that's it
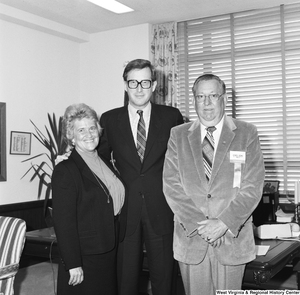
(40, 279)
(37, 279)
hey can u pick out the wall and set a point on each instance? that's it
(41, 73)
(102, 64)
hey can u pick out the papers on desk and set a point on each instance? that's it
(283, 217)
(261, 250)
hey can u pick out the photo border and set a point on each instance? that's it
(3, 168)
(268, 184)
(23, 143)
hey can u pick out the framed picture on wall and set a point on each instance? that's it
(270, 186)
(20, 143)
(2, 141)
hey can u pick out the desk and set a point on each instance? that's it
(263, 268)
(41, 243)
(259, 271)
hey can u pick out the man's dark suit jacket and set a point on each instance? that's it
(83, 214)
(144, 181)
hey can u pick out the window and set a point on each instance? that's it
(257, 54)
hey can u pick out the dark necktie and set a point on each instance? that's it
(141, 136)
(208, 147)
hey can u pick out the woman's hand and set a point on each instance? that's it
(76, 276)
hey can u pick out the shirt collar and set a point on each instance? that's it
(218, 126)
(146, 110)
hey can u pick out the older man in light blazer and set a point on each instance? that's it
(213, 192)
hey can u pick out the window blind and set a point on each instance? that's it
(257, 54)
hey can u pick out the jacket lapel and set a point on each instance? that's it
(87, 172)
(126, 133)
(83, 167)
(226, 138)
(153, 131)
(194, 138)
(109, 165)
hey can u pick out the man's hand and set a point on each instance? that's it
(63, 157)
(76, 276)
(211, 230)
(218, 242)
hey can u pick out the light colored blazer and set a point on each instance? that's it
(193, 199)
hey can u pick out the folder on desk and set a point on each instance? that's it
(282, 216)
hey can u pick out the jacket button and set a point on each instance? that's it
(209, 196)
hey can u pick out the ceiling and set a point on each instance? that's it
(89, 18)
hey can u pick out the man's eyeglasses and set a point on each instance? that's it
(133, 84)
(200, 98)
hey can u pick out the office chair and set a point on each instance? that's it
(12, 238)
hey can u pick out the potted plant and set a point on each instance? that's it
(55, 145)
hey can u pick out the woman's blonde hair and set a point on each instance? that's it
(77, 112)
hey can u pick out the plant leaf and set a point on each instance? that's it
(54, 143)
(35, 157)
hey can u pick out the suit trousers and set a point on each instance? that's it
(161, 264)
(209, 275)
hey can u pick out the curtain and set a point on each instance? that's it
(164, 59)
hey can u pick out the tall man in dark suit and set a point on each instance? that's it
(139, 156)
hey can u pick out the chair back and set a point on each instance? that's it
(12, 238)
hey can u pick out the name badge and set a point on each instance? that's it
(237, 158)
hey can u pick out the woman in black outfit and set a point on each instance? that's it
(88, 210)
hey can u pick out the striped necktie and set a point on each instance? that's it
(141, 136)
(208, 146)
